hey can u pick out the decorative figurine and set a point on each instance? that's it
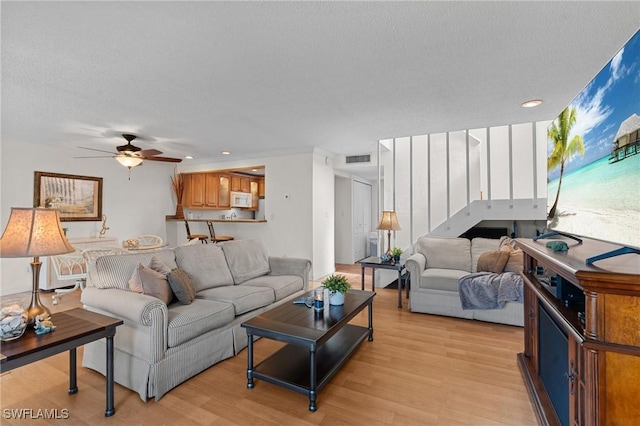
(44, 324)
(105, 228)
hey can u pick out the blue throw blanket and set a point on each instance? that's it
(488, 290)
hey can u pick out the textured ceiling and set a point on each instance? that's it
(200, 77)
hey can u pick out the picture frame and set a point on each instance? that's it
(77, 198)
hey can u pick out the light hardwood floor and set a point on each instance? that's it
(420, 369)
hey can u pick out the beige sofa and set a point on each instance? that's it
(161, 345)
(438, 264)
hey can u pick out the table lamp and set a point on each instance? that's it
(389, 222)
(34, 232)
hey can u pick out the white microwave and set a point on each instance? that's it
(240, 199)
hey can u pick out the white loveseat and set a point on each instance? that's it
(438, 264)
(161, 345)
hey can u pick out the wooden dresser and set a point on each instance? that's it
(601, 384)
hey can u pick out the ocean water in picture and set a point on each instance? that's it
(600, 200)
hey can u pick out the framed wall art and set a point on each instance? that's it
(77, 198)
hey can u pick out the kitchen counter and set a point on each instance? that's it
(174, 219)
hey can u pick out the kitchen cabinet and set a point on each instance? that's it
(261, 187)
(240, 183)
(254, 194)
(206, 191)
(235, 183)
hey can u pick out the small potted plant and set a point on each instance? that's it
(396, 252)
(337, 285)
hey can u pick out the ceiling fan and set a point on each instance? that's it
(130, 155)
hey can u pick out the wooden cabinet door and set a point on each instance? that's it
(261, 187)
(195, 190)
(245, 184)
(254, 194)
(224, 189)
(211, 190)
(236, 184)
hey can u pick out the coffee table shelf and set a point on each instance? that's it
(289, 367)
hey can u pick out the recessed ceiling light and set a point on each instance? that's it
(532, 103)
(188, 157)
(225, 152)
(254, 170)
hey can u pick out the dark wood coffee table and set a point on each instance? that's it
(317, 344)
(74, 328)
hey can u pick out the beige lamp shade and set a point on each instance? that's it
(33, 232)
(389, 221)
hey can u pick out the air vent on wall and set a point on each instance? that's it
(358, 159)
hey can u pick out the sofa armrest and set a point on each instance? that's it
(135, 307)
(144, 332)
(291, 266)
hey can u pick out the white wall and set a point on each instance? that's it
(323, 260)
(133, 207)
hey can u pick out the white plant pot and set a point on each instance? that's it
(336, 298)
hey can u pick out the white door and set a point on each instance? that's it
(361, 219)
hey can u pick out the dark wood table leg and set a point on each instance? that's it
(110, 411)
(73, 381)
(313, 392)
(373, 279)
(362, 277)
(399, 288)
(371, 321)
(250, 384)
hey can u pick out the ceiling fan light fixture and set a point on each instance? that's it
(532, 103)
(129, 161)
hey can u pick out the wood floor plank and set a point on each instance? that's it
(419, 370)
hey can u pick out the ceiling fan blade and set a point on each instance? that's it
(99, 150)
(164, 159)
(149, 152)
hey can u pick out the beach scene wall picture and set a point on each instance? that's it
(77, 198)
(593, 161)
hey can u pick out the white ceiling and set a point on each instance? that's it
(253, 78)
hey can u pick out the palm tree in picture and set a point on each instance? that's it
(563, 148)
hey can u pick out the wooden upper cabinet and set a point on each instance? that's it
(254, 194)
(194, 190)
(211, 190)
(224, 189)
(236, 185)
(261, 187)
(245, 184)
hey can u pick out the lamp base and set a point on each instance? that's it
(35, 307)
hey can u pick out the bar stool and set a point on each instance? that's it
(218, 238)
(203, 238)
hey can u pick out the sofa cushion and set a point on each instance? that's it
(181, 286)
(152, 283)
(205, 264)
(441, 279)
(492, 261)
(158, 265)
(189, 321)
(114, 271)
(246, 259)
(243, 298)
(481, 245)
(282, 285)
(446, 253)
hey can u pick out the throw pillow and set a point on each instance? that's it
(516, 259)
(157, 265)
(493, 261)
(181, 286)
(152, 283)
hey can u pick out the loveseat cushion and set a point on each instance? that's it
(282, 285)
(446, 253)
(247, 259)
(205, 264)
(189, 321)
(481, 245)
(244, 298)
(441, 279)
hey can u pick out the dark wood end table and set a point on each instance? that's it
(74, 328)
(374, 263)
